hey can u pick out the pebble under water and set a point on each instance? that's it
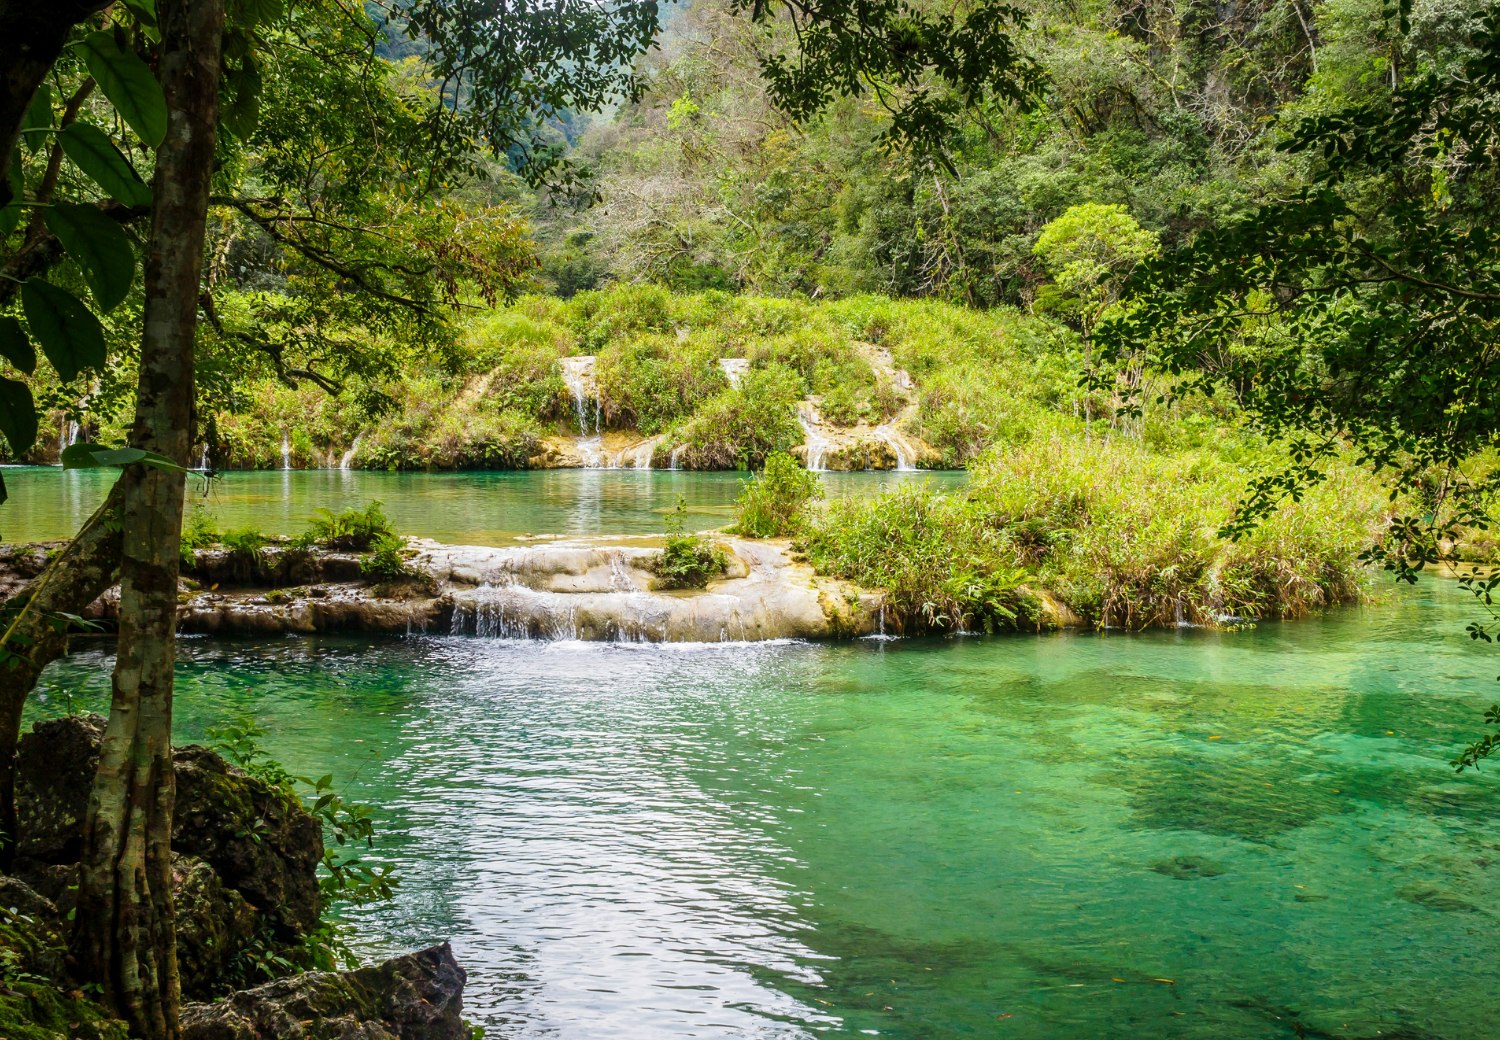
(1172, 835)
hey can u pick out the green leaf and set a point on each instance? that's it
(96, 155)
(144, 11)
(255, 13)
(129, 84)
(17, 416)
(68, 332)
(38, 119)
(99, 246)
(96, 456)
(15, 347)
(10, 216)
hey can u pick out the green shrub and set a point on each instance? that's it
(244, 542)
(650, 381)
(772, 504)
(386, 561)
(687, 561)
(353, 530)
(740, 427)
(929, 552)
(198, 533)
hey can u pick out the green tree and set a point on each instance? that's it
(1371, 297)
(1091, 251)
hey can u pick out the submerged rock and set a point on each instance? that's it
(415, 997)
(1188, 868)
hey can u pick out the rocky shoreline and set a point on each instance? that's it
(245, 857)
(597, 589)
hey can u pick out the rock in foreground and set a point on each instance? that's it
(415, 997)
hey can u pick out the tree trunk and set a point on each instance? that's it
(125, 938)
(32, 34)
(35, 634)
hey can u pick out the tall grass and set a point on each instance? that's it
(1121, 536)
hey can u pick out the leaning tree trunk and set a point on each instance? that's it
(33, 633)
(125, 938)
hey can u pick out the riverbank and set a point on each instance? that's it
(593, 589)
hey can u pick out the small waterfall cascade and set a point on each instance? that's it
(286, 452)
(638, 456)
(817, 444)
(203, 463)
(676, 455)
(734, 369)
(346, 461)
(887, 432)
(578, 376)
(508, 610)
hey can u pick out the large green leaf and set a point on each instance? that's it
(95, 456)
(96, 155)
(99, 246)
(68, 332)
(17, 416)
(144, 11)
(15, 347)
(38, 120)
(129, 84)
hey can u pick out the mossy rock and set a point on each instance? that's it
(861, 454)
(39, 1011)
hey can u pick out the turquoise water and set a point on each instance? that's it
(1175, 835)
(457, 508)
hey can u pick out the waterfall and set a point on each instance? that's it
(817, 445)
(203, 458)
(676, 454)
(734, 369)
(887, 433)
(639, 456)
(286, 452)
(578, 376)
(346, 461)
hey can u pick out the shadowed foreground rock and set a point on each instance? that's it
(416, 997)
(245, 869)
(245, 854)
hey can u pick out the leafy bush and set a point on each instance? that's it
(772, 503)
(198, 533)
(244, 542)
(386, 561)
(931, 555)
(650, 381)
(345, 875)
(740, 427)
(353, 530)
(687, 561)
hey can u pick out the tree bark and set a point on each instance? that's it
(125, 938)
(32, 34)
(33, 634)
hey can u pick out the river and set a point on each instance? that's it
(1184, 834)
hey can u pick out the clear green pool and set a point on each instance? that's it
(1011, 837)
(457, 508)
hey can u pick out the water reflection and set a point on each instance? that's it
(458, 508)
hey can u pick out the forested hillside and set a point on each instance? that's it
(1171, 109)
